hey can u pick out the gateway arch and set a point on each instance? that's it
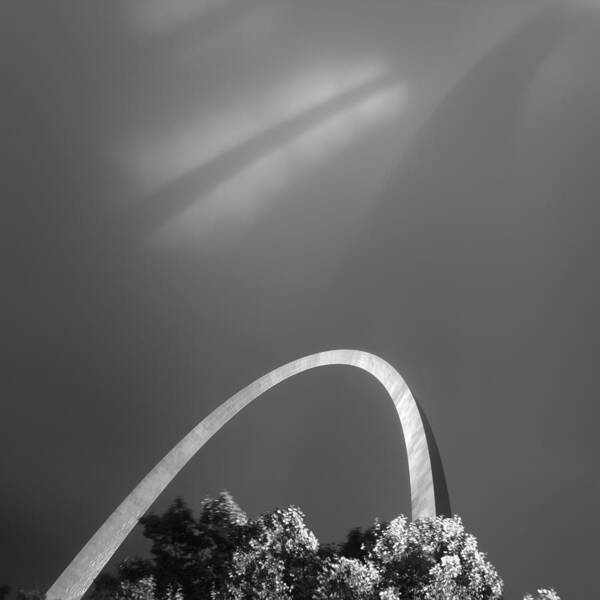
(429, 495)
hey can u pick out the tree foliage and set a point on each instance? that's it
(543, 594)
(276, 559)
(189, 556)
(223, 555)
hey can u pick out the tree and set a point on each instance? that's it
(359, 543)
(543, 594)
(188, 556)
(277, 559)
(222, 555)
(142, 589)
(344, 578)
(193, 555)
(175, 545)
(433, 559)
(221, 527)
(30, 595)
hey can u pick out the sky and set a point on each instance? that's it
(195, 193)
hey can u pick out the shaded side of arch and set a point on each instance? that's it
(429, 494)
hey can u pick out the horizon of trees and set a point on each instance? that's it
(224, 555)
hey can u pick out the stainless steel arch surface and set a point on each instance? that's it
(427, 482)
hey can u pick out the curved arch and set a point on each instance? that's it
(429, 496)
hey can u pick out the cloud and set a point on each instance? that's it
(241, 198)
(150, 17)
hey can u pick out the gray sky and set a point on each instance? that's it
(197, 192)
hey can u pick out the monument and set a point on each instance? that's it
(429, 494)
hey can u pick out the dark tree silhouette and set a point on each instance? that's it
(359, 543)
(187, 555)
